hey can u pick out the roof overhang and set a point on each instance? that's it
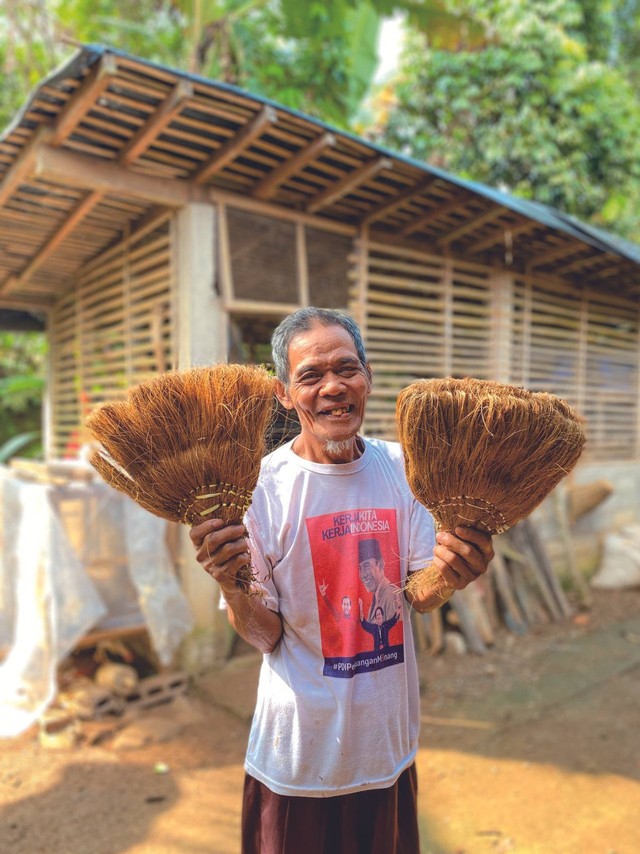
(109, 141)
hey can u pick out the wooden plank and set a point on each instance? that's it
(92, 173)
(436, 213)
(562, 516)
(23, 166)
(542, 559)
(520, 541)
(268, 186)
(499, 235)
(514, 618)
(471, 225)
(468, 624)
(164, 115)
(241, 141)
(75, 217)
(392, 204)
(83, 99)
(569, 247)
(348, 183)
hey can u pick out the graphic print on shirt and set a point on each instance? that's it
(356, 568)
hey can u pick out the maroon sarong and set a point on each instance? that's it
(376, 821)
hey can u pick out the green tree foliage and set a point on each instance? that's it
(22, 357)
(319, 57)
(536, 110)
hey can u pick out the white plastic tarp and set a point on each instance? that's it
(49, 599)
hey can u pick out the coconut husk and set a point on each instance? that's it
(483, 454)
(187, 445)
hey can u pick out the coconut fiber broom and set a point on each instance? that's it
(482, 454)
(187, 445)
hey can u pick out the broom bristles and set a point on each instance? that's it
(482, 454)
(187, 445)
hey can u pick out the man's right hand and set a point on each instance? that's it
(221, 550)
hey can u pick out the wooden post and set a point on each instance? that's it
(447, 323)
(201, 339)
(48, 432)
(501, 320)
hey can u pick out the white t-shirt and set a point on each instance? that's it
(338, 706)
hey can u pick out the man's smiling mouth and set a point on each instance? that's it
(336, 411)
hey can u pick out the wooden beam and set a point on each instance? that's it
(26, 303)
(268, 186)
(158, 121)
(247, 203)
(348, 183)
(499, 236)
(396, 202)
(269, 309)
(433, 215)
(238, 143)
(84, 98)
(609, 271)
(76, 216)
(558, 252)
(82, 171)
(470, 225)
(136, 145)
(578, 265)
(22, 167)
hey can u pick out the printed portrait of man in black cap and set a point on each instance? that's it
(371, 571)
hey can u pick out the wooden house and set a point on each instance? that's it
(157, 219)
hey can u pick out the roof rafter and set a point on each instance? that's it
(578, 265)
(470, 225)
(348, 183)
(566, 248)
(499, 235)
(613, 271)
(22, 168)
(396, 202)
(158, 121)
(238, 143)
(268, 186)
(75, 217)
(434, 214)
(83, 100)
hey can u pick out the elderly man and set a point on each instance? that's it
(330, 761)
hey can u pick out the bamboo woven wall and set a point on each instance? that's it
(428, 316)
(422, 316)
(111, 330)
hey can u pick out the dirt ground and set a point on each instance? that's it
(532, 749)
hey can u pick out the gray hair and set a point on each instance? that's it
(301, 321)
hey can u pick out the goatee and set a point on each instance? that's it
(335, 449)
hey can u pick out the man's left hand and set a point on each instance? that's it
(462, 556)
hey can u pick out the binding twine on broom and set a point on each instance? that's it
(482, 454)
(187, 445)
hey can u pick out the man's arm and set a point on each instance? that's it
(222, 550)
(460, 558)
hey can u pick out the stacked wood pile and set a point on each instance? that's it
(520, 590)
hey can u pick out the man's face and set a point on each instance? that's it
(328, 387)
(346, 606)
(371, 573)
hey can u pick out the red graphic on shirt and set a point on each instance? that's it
(356, 568)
